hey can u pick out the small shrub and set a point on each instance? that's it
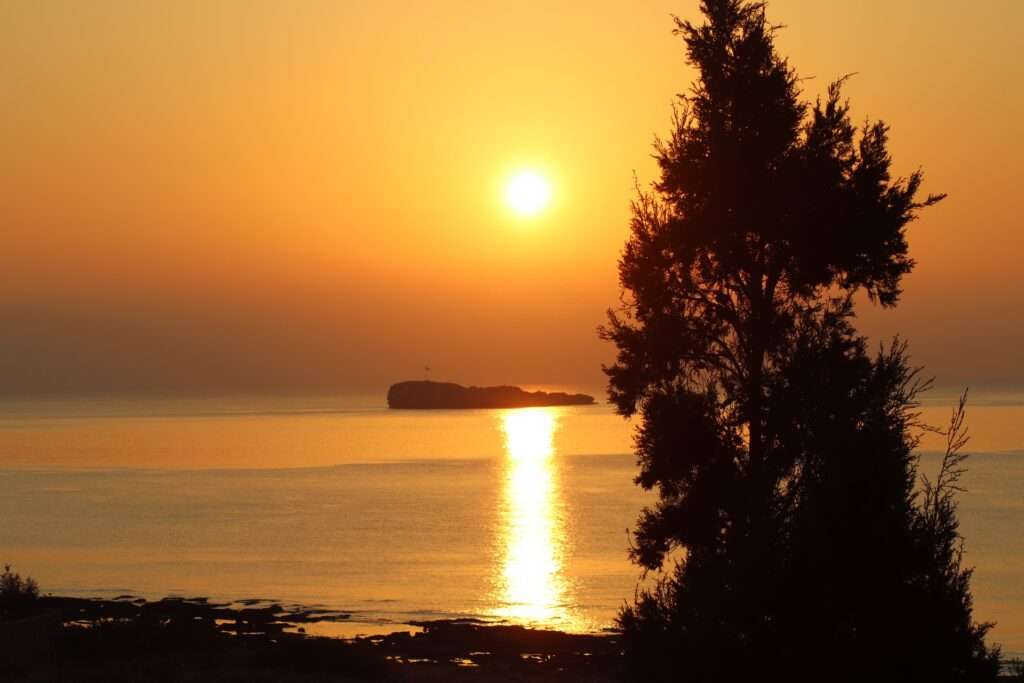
(17, 595)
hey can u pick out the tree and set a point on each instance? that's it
(766, 428)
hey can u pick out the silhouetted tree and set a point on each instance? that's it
(780, 450)
(946, 632)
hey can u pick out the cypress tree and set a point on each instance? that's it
(781, 451)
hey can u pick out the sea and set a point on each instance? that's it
(392, 517)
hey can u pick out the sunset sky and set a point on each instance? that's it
(205, 196)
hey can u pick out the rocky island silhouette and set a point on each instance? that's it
(428, 395)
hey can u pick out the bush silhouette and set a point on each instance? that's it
(781, 450)
(18, 596)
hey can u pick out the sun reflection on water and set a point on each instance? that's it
(531, 586)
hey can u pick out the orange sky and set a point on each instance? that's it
(230, 197)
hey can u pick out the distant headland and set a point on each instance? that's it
(427, 395)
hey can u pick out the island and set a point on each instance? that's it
(427, 395)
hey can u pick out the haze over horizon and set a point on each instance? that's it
(236, 197)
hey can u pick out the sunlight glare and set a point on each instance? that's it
(527, 193)
(532, 588)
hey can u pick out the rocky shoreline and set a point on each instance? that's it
(181, 639)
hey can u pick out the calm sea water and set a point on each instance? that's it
(391, 516)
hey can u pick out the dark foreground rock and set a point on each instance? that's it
(71, 639)
(425, 395)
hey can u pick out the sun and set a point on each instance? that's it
(527, 193)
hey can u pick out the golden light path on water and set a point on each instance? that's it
(531, 584)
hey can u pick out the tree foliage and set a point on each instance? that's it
(781, 450)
